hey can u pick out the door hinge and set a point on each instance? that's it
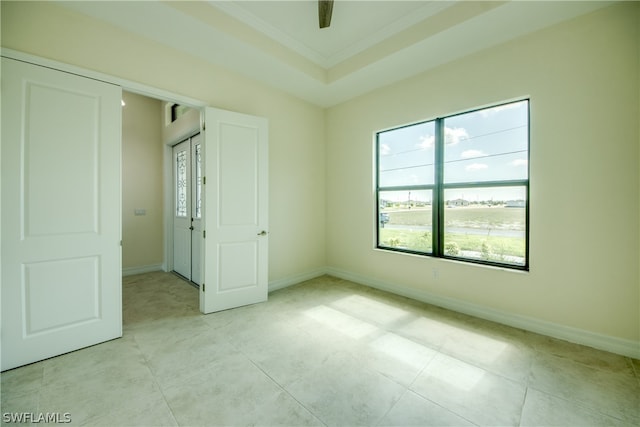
(204, 126)
(204, 234)
(120, 242)
(203, 287)
(204, 180)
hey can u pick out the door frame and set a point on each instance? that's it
(168, 190)
(140, 89)
(127, 85)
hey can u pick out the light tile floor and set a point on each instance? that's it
(324, 352)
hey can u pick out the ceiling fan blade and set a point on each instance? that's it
(325, 7)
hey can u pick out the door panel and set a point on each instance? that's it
(238, 172)
(61, 214)
(188, 245)
(70, 200)
(52, 302)
(197, 240)
(182, 209)
(236, 211)
(240, 259)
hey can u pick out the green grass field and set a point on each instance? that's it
(498, 218)
(482, 246)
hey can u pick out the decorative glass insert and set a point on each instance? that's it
(181, 184)
(198, 167)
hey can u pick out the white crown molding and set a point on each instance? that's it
(407, 21)
(231, 8)
(235, 10)
(213, 45)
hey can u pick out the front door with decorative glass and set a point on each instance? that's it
(187, 212)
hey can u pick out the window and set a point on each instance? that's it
(197, 197)
(457, 187)
(181, 184)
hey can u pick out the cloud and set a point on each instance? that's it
(426, 142)
(451, 137)
(384, 149)
(469, 154)
(454, 135)
(476, 167)
(519, 162)
(490, 111)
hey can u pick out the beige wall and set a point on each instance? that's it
(583, 79)
(142, 182)
(296, 128)
(182, 128)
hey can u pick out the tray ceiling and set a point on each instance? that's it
(370, 44)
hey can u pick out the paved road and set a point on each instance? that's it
(461, 230)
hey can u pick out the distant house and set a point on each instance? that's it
(457, 202)
(515, 204)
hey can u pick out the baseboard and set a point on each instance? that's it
(294, 280)
(616, 345)
(130, 271)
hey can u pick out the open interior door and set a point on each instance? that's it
(61, 276)
(236, 210)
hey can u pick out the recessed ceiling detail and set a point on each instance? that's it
(369, 44)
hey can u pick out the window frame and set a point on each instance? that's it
(438, 188)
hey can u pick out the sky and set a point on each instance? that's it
(485, 145)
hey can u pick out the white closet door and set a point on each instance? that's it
(61, 213)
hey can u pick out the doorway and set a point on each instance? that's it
(61, 252)
(188, 238)
(235, 204)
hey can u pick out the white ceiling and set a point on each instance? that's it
(355, 26)
(369, 44)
